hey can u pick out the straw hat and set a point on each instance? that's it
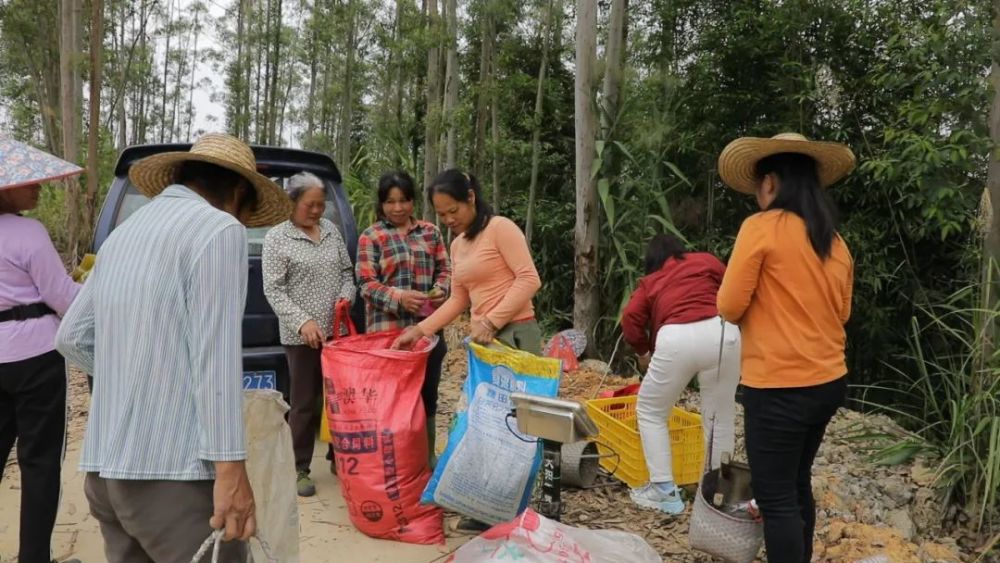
(154, 173)
(24, 165)
(738, 161)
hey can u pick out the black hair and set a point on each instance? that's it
(661, 248)
(216, 183)
(457, 185)
(390, 180)
(800, 193)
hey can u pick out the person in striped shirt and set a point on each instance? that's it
(404, 274)
(158, 324)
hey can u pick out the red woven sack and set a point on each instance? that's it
(377, 428)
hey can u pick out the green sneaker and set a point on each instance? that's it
(305, 485)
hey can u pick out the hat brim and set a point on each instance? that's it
(34, 181)
(153, 174)
(738, 161)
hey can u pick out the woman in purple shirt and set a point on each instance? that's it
(34, 293)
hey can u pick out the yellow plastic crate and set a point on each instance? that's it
(619, 429)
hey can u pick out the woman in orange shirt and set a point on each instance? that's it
(788, 286)
(493, 274)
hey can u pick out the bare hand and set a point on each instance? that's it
(482, 334)
(409, 337)
(437, 297)
(312, 335)
(232, 500)
(643, 362)
(412, 301)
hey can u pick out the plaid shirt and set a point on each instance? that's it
(390, 262)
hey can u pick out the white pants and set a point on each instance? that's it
(683, 351)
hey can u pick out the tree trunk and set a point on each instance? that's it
(139, 132)
(993, 172)
(586, 290)
(990, 290)
(313, 71)
(397, 37)
(94, 127)
(257, 36)
(175, 97)
(613, 62)
(194, 70)
(118, 102)
(347, 104)
(433, 115)
(536, 135)
(70, 101)
(272, 111)
(451, 84)
(166, 70)
(482, 107)
(494, 124)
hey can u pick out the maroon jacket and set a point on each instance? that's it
(682, 291)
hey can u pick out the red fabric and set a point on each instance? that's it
(682, 291)
(378, 432)
(562, 349)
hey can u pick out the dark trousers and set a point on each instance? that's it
(155, 521)
(784, 429)
(33, 412)
(305, 374)
(432, 377)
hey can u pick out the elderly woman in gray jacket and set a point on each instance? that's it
(306, 270)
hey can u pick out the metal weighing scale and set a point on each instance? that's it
(555, 422)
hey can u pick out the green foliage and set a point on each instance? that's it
(946, 390)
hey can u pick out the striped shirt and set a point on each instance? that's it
(158, 325)
(390, 261)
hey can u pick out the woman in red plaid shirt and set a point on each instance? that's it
(404, 274)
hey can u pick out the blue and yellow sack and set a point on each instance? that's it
(487, 472)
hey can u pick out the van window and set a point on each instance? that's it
(133, 200)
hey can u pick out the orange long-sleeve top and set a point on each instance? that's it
(791, 305)
(492, 275)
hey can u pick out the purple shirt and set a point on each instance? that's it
(30, 272)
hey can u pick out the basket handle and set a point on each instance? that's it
(718, 379)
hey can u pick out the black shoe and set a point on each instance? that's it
(466, 525)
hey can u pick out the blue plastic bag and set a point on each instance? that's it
(487, 471)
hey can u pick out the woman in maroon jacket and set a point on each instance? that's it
(672, 322)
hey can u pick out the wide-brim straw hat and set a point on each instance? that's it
(154, 173)
(738, 161)
(24, 165)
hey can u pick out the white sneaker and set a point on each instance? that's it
(662, 497)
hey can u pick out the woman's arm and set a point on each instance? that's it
(46, 269)
(442, 265)
(456, 304)
(369, 272)
(514, 250)
(75, 338)
(845, 308)
(635, 320)
(345, 277)
(743, 273)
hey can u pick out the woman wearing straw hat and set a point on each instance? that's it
(306, 270)
(788, 285)
(34, 292)
(158, 323)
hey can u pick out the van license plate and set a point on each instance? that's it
(259, 380)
